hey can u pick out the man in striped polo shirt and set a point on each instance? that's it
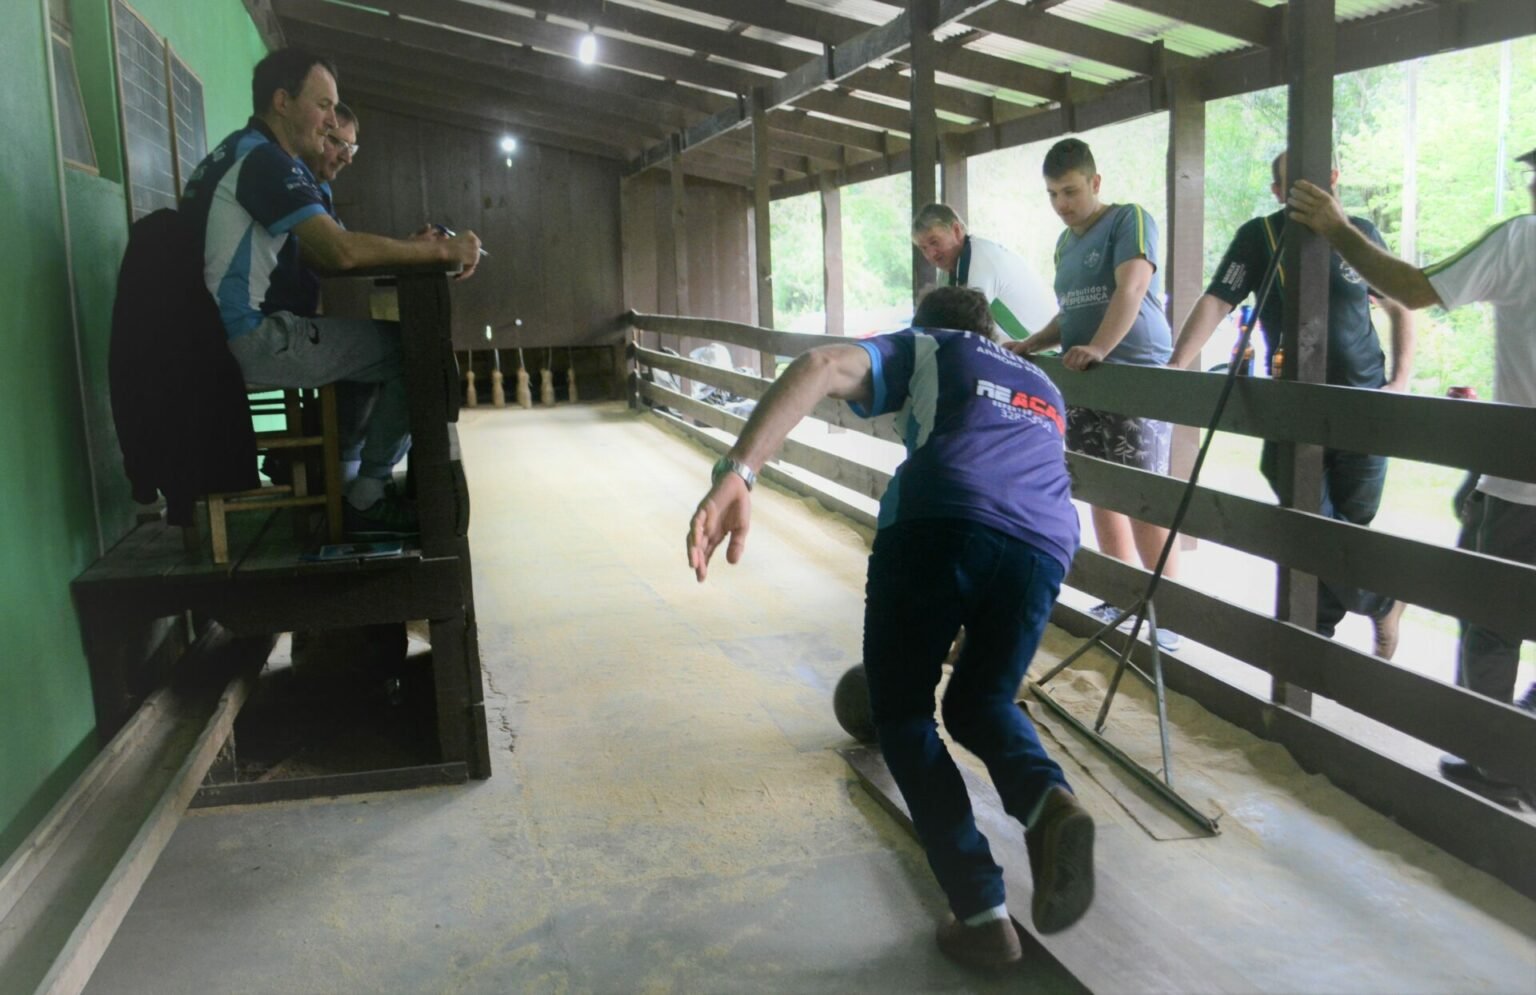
(1500, 519)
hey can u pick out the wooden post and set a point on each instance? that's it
(679, 227)
(832, 255)
(925, 127)
(762, 230)
(954, 174)
(1310, 41)
(1185, 211)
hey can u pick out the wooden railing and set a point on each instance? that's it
(1497, 593)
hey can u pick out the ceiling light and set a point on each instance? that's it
(587, 50)
(508, 144)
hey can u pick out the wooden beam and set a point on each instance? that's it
(921, 23)
(1395, 36)
(325, 25)
(762, 229)
(516, 29)
(550, 113)
(793, 19)
(682, 301)
(1244, 20)
(1185, 211)
(1041, 27)
(266, 22)
(1310, 48)
(838, 63)
(832, 259)
(375, 56)
(491, 123)
(955, 173)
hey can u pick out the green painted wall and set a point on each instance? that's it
(48, 528)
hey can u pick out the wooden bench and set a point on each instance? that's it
(267, 588)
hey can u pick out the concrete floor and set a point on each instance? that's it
(666, 814)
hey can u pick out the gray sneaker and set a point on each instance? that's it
(1104, 612)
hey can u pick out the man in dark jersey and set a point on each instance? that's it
(1352, 482)
(977, 528)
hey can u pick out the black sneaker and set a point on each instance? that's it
(388, 516)
(1472, 777)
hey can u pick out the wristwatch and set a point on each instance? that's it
(725, 465)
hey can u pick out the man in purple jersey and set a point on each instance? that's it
(976, 529)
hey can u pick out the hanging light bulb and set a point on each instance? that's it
(508, 144)
(587, 50)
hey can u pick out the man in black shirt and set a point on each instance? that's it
(1352, 482)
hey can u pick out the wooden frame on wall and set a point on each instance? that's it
(160, 108)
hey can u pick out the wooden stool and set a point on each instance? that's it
(291, 441)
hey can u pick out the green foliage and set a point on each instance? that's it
(1459, 118)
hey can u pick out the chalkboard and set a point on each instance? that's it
(74, 131)
(191, 132)
(143, 95)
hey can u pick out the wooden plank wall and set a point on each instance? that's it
(550, 223)
(720, 255)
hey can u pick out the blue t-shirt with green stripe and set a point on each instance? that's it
(1085, 281)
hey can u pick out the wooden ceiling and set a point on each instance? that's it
(679, 77)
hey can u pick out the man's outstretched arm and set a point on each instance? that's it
(836, 371)
(1392, 277)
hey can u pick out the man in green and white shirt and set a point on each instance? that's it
(1020, 301)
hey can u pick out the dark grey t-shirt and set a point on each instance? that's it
(1085, 281)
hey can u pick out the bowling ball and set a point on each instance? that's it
(850, 703)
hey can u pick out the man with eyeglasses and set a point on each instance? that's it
(267, 227)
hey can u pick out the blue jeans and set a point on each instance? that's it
(1352, 486)
(287, 350)
(927, 579)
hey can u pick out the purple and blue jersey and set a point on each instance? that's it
(247, 196)
(985, 437)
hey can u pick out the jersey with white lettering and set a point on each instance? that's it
(247, 196)
(1354, 349)
(984, 431)
(1085, 282)
(1500, 267)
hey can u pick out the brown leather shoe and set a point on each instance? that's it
(1386, 625)
(1061, 861)
(992, 944)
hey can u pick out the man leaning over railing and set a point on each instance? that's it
(1499, 267)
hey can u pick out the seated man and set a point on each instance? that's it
(266, 225)
(986, 550)
(354, 400)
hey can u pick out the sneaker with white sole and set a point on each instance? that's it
(1104, 612)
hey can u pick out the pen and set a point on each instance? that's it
(450, 233)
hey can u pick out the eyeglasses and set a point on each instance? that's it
(337, 143)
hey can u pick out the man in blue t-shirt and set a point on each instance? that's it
(1111, 312)
(976, 529)
(266, 225)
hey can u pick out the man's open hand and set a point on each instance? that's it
(725, 510)
(1082, 357)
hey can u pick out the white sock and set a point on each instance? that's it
(364, 492)
(988, 915)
